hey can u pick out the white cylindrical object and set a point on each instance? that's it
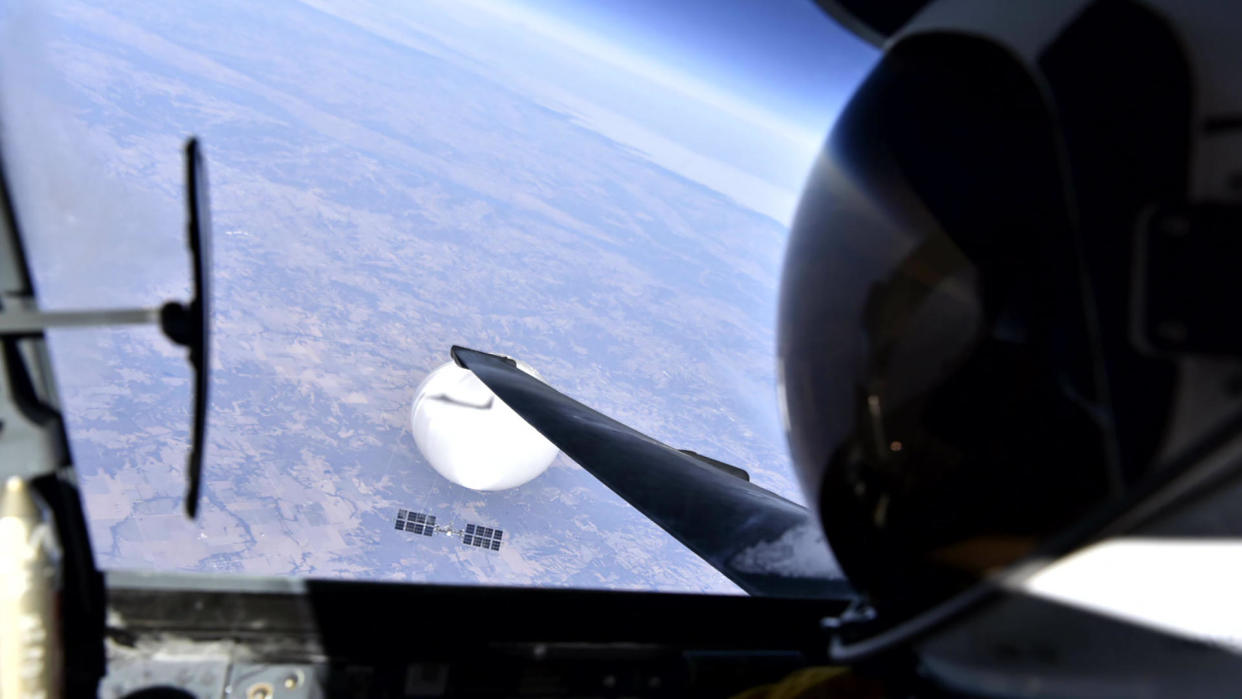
(471, 437)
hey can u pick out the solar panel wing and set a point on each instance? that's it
(479, 536)
(417, 523)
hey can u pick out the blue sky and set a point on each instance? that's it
(735, 95)
(785, 56)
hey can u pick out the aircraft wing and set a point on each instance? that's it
(764, 543)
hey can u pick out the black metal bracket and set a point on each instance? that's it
(1187, 283)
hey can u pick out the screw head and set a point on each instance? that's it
(1172, 331)
(1174, 226)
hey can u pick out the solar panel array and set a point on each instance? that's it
(482, 537)
(416, 522)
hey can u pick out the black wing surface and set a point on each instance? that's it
(764, 543)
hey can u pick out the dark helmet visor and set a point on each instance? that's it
(937, 372)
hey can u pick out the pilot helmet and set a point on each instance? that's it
(1005, 306)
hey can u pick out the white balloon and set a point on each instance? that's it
(471, 437)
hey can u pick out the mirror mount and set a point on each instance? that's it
(186, 324)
